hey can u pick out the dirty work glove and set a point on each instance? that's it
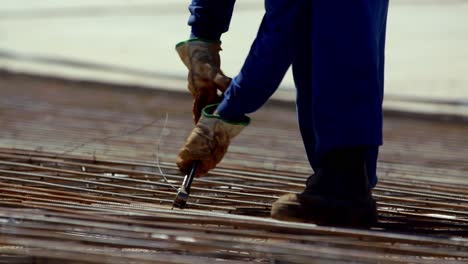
(208, 141)
(205, 76)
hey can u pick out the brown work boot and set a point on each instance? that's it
(338, 194)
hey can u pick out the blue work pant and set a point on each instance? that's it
(336, 49)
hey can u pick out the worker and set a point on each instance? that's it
(336, 50)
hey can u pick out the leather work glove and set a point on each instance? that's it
(208, 141)
(205, 76)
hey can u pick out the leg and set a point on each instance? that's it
(348, 39)
(270, 56)
(339, 114)
(331, 94)
(302, 69)
(381, 27)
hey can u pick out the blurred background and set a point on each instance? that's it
(132, 42)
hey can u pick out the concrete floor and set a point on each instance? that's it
(132, 42)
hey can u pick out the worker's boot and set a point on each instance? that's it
(337, 194)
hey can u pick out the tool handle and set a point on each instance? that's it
(189, 177)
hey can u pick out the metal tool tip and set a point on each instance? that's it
(180, 200)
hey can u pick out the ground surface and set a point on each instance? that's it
(82, 169)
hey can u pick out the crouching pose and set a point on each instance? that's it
(336, 50)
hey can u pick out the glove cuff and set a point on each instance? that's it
(208, 112)
(198, 39)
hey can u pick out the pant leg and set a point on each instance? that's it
(210, 18)
(381, 28)
(344, 107)
(302, 66)
(346, 70)
(302, 73)
(270, 56)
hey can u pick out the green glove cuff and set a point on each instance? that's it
(198, 39)
(208, 111)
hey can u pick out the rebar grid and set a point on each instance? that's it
(79, 183)
(115, 207)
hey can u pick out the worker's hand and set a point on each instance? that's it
(205, 76)
(208, 141)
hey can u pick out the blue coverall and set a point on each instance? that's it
(336, 49)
